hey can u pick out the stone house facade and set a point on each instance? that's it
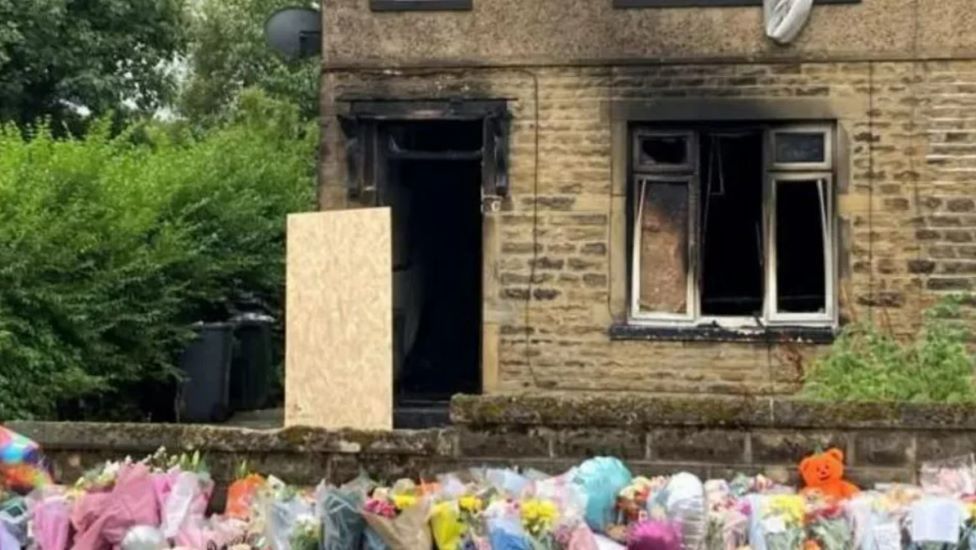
(649, 195)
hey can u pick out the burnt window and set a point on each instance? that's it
(422, 5)
(732, 225)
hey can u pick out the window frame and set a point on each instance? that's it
(772, 173)
(420, 5)
(772, 314)
(691, 294)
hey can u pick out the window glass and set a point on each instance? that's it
(800, 246)
(800, 147)
(663, 253)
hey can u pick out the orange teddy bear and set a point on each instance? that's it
(823, 473)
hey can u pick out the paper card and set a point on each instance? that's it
(887, 536)
(936, 520)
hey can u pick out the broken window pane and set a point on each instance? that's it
(663, 253)
(801, 241)
(662, 151)
(800, 147)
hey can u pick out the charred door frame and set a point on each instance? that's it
(360, 121)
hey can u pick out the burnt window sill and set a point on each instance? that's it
(420, 5)
(709, 333)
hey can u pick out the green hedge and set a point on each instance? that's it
(111, 246)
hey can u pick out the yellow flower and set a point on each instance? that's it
(791, 507)
(471, 504)
(538, 515)
(402, 502)
(547, 511)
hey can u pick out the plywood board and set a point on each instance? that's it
(338, 365)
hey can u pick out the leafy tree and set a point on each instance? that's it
(110, 247)
(61, 56)
(228, 54)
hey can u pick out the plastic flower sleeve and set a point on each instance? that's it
(507, 481)
(282, 520)
(144, 537)
(52, 522)
(446, 525)
(685, 505)
(342, 520)
(950, 477)
(408, 531)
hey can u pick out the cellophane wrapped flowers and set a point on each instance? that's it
(398, 516)
(728, 517)
(782, 522)
(538, 519)
(827, 526)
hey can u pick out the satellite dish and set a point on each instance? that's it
(294, 33)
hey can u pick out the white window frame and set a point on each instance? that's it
(824, 129)
(772, 172)
(691, 296)
(826, 187)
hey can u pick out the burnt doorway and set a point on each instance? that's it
(431, 178)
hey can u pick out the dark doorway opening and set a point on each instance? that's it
(732, 223)
(432, 183)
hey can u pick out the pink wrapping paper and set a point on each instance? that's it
(101, 520)
(52, 523)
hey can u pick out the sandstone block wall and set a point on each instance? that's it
(712, 437)
(555, 255)
(898, 76)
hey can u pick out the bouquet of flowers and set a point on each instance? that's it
(286, 516)
(452, 522)
(100, 478)
(241, 493)
(539, 519)
(827, 526)
(504, 527)
(632, 501)
(782, 522)
(570, 531)
(728, 517)
(398, 515)
(306, 533)
(340, 509)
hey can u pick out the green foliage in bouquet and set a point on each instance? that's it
(111, 246)
(868, 364)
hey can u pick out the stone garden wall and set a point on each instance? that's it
(707, 436)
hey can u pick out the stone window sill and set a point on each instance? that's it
(792, 334)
